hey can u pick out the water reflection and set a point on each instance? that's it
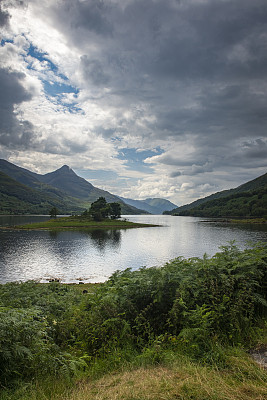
(11, 220)
(93, 255)
(103, 238)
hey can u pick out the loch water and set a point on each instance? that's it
(93, 255)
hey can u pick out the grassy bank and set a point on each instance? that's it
(183, 331)
(175, 377)
(76, 222)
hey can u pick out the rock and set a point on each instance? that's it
(260, 357)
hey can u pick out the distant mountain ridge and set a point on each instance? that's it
(62, 188)
(17, 198)
(247, 200)
(151, 205)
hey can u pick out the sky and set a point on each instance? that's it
(143, 98)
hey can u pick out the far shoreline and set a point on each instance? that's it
(231, 220)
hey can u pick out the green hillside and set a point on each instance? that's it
(20, 175)
(16, 198)
(252, 203)
(31, 180)
(246, 200)
(61, 188)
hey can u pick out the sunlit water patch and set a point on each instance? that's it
(92, 256)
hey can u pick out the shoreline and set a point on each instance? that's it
(226, 220)
(74, 223)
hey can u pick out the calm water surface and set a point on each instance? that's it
(92, 256)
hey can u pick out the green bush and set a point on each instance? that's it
(199, 301)
(32, 341)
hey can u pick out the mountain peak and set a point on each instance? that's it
(65, 169)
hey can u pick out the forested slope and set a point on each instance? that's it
(16, 198)
(252, 203)
(247, 200)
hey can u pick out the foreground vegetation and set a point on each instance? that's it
(182, 331)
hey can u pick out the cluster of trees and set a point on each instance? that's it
(53, 212)
(100, 210)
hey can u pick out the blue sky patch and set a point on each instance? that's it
(4, 41)
(135, 159)
(54, 89)
(35, 53)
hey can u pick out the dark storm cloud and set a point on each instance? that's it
(234, 110)
(12, 131)
(256, 149)
(200, 43)
(91, 15)
(200, 67)
(82, 20)
(92, 71)
(170, 40)
(4, 17)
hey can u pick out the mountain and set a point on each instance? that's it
(65, 179)
(63, 187)
(17, 198)
(161, 204)
(30, 179)
(21, 175)
(151, 205)
(247, 200)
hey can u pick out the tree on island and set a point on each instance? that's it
(53, 212)
(100, 210)
(115, 210)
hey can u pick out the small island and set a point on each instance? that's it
(76, 222)
(100, 215)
